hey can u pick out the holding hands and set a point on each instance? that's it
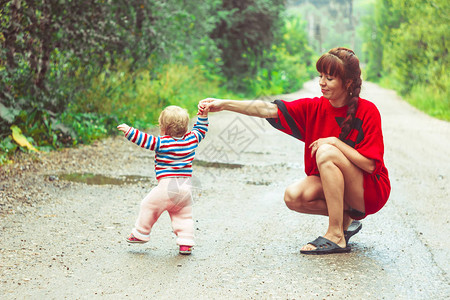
(209, 105)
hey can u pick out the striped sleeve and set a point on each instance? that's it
(143, 139)
(200, 128)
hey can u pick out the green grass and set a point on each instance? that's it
(138, 97)
(432, 99)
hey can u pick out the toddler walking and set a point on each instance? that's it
(174, 152)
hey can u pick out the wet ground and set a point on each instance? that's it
(65, 216)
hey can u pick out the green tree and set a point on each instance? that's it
(245, 34)
(407, 46)
(51, 50)
(418, 48)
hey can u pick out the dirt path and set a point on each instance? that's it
(65, 239)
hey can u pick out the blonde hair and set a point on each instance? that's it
(174, 120)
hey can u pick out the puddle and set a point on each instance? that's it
(219, 165)
(95, 179)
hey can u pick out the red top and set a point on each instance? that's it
(310, 119)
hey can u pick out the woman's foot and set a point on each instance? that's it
(322, 245)
(336, 239)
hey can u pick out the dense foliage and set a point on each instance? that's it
(244, 54)
(53, 51)
(71, 70)
(407, 49)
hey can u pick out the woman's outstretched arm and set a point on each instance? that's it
(254, 108)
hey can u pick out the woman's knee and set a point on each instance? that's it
(293, 197)
(327, 153)
(301, 196)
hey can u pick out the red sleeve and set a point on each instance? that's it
(291, 117)
(372, 146)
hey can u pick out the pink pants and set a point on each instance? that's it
(173, 194)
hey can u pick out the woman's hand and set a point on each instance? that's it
(319, 142)
(364, 163)
(210, 105)
(124, 128)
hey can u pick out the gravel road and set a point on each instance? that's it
(63, 230)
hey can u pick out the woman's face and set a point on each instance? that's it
(332, 87)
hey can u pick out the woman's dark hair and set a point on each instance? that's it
(343, 63)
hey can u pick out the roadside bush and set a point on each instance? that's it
(52, 51)
(432, 101)
(290, 60)
(137, 97)
(407, 48)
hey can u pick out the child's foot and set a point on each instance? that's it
(134, 240)
(185, 250)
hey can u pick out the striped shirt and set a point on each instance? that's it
(173, 156)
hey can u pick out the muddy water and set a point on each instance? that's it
(98, 179)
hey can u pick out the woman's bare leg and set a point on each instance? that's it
(341, 180)
(306, 196)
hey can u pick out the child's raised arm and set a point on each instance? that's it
(141, 139)
(201, 126)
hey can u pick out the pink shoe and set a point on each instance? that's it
(185, 250)
(134, 240)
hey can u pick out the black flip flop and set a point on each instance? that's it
(353, 229)
(325, 246)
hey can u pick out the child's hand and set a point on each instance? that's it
(211, 105)
(124, 128)
(204, 107)
(202, 111)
